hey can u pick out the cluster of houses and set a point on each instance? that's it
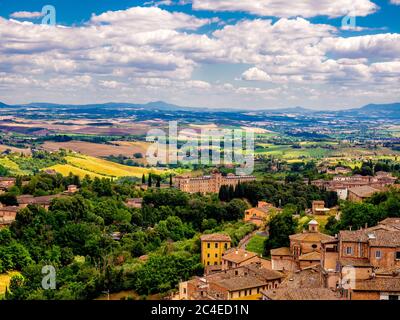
(9, 213)
(357, 188)
(353, 265)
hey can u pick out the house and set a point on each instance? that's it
(241, 283)
(212, 248)
(43, 201)
(359, 194)
(6, 183)
(134, 203)
(235, 257)
(301, 285)
(318, 208)
(7, 215)
(304, 250)
(260, 214)
(353, 261)
(72, 188)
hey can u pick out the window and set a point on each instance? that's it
(226, 246)
(349, 250)
(216, 255)
(208, 255)
(398, 255)
(314, 246)
(208, 245)
(378, 254)
(216, 246)
(208, 263)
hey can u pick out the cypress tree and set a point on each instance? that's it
(143, 179)
(149, 182)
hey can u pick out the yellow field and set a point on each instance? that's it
(83, 165)
(66, 169)
(12, 166)
(5, 281)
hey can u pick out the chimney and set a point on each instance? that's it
(366, 225)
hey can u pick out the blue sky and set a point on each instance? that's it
(213, 53)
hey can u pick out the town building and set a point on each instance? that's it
(240, 283)
(6, 183)
(260, 214)
(212, 248)
(72, 189)
(304, 250)
(43, 201)
(209, 184)
(7, 215)
(301, 285)
(134, 203)
(357, 261)
(343, 184)
(359, 194)
(318, 208)
(236, 257)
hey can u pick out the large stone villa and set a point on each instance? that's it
(209, 184)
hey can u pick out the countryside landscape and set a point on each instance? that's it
(227, 153)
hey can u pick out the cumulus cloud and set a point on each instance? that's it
(289, 8)
(255, 74)
(152, 53)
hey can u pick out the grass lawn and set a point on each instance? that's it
(256, 244)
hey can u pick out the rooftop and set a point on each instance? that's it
(284, 251)
(363, 191)
(216, 237)
(238, 255)
(312, 256)
(300, 294)
(311, 237)
(379, 284)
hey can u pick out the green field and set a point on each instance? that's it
(256, 244)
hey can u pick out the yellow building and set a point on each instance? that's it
(212, 248)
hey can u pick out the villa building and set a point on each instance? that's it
(260, 214)
(209, 184)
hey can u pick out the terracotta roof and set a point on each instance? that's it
(384, 238)
(238, 255)
(300, 294)
(312, 256)
(29, 199)
(354, 262)
(307, 278)
(363, 191)
(378, 236)
(379, 284)
(392, 222)
(240, 283)
(311, 237)
(284, 251)
(9, 209)
(7, 179)
(217, 237)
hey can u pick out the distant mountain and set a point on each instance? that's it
(390, 110)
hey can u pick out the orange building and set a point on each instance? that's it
(260, 214)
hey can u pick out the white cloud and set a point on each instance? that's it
(395, 2)
(26, 15)
(151, 54)
(290, 8)
(255, 74)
